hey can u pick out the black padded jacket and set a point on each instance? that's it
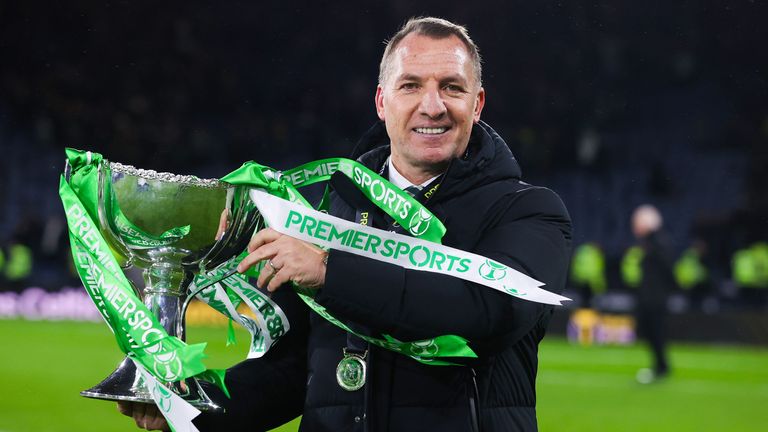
(487, 210)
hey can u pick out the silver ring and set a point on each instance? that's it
(274, 269)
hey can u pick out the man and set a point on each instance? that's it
(656, 280)
(430, 141)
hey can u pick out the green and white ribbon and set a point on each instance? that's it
(84, 182)
(270, 322)
(136, 238)
(177, 412)
(280, 185)
(411, 253)
(402, 207)
(137, 331)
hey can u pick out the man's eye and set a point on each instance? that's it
(409, 86)
(453, 88)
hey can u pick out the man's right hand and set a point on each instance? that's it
(146, 416)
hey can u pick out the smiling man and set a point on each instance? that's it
(430, 142)
(429, 97)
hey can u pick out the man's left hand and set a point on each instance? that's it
(288, 260)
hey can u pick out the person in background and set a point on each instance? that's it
(656, 282)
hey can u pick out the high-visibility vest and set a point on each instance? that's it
(689, 271)
(631, 266)
(19, 264)
(760, 256)
(588, 267)
(749, 266)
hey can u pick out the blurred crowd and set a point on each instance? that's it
(612, 105)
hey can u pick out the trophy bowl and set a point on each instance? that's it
(135, 208)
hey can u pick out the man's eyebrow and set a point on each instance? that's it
(454, 78)
(408, 77)
(446, 79)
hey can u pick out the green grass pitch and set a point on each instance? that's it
(44, 365)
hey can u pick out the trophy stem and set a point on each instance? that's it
(164, 296)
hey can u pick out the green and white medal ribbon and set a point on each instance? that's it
(428, 351)
(411, 253)
(401, 206)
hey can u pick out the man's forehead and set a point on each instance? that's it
(417, 49)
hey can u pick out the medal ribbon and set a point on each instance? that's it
(398, 204)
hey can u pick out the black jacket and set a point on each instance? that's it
(658, 279)
(487, 210)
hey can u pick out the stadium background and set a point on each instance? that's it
(611, 104)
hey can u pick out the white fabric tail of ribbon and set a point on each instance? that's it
(321, 229)
(177, 412)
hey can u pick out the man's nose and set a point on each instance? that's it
(432, 104)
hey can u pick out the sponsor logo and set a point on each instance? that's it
(491, 270)
(166, 365)
(419, 223)
(367, 241)
(513, 291)
(162, 397)
(322, 170)
(425, 348)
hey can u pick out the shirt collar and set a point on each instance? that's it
(398, 180)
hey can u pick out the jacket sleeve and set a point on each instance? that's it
(532, 236)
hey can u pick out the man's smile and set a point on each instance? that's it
(431, 130)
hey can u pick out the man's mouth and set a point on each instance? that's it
(431, 130)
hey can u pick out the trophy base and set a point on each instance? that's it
(126, 384)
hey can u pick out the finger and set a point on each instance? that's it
(139, 409)
(125, 408)
(277, 280)
(223, 222)
(262, 253)
(271, 268)
(267, 235)
(154, 420)
(265, 275)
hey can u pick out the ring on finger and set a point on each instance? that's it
(274, 269)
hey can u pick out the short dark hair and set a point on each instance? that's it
(436, 28)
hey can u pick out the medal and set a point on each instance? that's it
(350, 373)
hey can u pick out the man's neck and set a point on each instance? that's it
(417, 175)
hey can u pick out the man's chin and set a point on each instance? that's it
(434, 158)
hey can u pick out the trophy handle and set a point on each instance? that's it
(67, 170)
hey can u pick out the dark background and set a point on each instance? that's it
(611, 104)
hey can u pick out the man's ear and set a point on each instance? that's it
(479, 104)
(379, 99)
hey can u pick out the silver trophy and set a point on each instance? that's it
(156, 202)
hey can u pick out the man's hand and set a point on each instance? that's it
(146, 416)
(289, 259)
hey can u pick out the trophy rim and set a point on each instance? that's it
(147, 174)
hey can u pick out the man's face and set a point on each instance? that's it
(429, 102)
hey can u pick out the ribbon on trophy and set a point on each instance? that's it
(137, 331)
(224, 290)
(159, 357)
